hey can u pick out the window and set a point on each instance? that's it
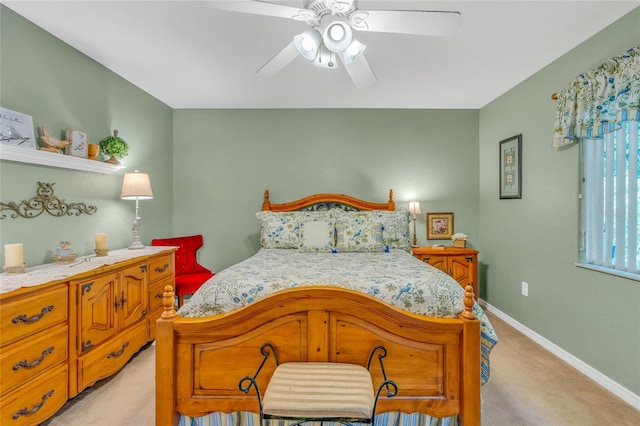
(610, 200)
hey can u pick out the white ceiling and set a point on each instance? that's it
(188, 56)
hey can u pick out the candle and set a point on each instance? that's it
(13, 255)
(101, 242)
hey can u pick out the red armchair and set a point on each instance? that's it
(190, 275)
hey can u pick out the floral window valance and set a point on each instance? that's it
(597, 101)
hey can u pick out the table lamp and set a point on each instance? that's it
(414, 209)
(136, 186)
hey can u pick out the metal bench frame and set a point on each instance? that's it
(246, 383)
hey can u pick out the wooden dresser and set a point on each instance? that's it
(60, 336)
(460, 263)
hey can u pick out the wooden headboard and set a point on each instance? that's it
(327, 198)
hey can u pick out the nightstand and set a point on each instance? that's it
(460, 263)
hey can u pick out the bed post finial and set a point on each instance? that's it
(469, 301)
(266, 204)
(168, 303)
(392, 204)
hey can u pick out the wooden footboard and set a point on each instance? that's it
(435, 362)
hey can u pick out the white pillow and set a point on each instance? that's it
(317, 235)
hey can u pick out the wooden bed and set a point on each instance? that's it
(435, 362)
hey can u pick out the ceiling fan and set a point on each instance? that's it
(331, 34)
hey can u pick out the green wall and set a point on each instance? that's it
(594, 316)
(225, 159)
(62, 88)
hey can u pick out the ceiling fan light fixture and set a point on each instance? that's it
(308, 43)
(339, 6)
(325, 58)
(353, 52)
(337, 36)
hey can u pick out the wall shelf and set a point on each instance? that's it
(32, 156)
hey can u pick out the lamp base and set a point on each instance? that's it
(135, 245)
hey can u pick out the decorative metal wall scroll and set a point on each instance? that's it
(45, 201)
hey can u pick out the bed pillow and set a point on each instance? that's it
(317, 235)
(352, 236)
(395, 225)
(395, 228)
(282, 229)
(278, 229)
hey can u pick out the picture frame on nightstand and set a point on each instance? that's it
(439, 226)
(79, 143)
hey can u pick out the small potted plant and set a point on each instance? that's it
(115, 147)
(459, 239)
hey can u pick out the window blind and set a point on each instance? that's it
(611, 185)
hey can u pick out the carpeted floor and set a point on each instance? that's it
(529, 386)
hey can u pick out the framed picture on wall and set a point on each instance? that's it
(16, 129)
(79, 143)
(439, 226)
(511, 167)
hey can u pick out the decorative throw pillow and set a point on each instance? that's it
(359, 237)
(395, 225)
(278, 229)
(317, 235)
(395, 228)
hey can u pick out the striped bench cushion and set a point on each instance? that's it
(319, 390)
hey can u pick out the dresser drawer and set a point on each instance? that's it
(110, 356)
(161, 267)
(23, 317)
(23, 361)
(156, 291)
(37, 401)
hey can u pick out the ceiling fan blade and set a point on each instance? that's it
(262, 8)
(360, 72)
(420, 22)
(281, 60)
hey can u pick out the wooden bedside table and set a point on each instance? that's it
(460, 263)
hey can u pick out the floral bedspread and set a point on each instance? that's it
(395, 277)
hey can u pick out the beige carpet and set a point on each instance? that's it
(529, 386)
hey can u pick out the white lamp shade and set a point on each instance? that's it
(337, 36)
(414, 207)
(325, 58)
(308, 43)
(353, 52)
(136, 185)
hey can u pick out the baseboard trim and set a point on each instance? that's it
(612, 386)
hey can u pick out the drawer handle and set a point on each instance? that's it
(158, 296)
(164, 268)
(35, 408)
(119, 353)
(34, 318)
(25, 364)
